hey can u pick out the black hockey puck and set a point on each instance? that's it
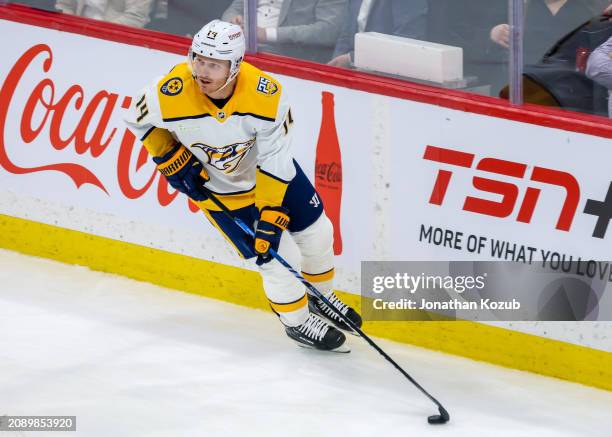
(439, 419)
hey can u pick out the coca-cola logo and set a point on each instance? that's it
(328, 172)
(88, 132)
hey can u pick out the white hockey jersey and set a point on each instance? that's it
(244, 146)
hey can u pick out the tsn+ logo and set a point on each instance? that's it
(509, 192)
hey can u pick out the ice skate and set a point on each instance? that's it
(319, 307)
(316, 333)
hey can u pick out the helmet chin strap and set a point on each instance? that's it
(227, 82)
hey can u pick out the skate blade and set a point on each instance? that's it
(341, 328)
(337, 325)
(348, 331)
(343, 349)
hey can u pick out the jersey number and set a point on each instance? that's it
(288, 122)
(141, 105)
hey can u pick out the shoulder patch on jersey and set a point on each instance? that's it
(179, 97)
(266, 86)
(172, 86)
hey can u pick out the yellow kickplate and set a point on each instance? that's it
(243, 287)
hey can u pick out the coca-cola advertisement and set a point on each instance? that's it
(328, 168)
(67, 159)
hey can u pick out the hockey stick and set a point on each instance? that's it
(441, 418)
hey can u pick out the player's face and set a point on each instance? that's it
(210, 74)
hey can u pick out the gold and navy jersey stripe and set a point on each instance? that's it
(319, 277)
(289, 306)
(271, 189)
(233, 201)
(252, 114)
(187, 117)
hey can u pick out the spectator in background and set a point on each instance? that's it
(393, 17)
(304, 29)
(129, 12)
(467, 24)
(185, 17)
(48, 5)
(546, 22)
(599, 68)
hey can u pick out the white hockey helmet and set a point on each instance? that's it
(220, 40)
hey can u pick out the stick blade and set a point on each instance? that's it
(439, 419)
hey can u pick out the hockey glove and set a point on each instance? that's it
(184, 172)
(272, 222)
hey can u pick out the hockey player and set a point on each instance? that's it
(220, 123)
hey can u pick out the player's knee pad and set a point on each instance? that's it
(274, 272)
(279, 283)
(316, 246)
(289, 251)
(317, 239)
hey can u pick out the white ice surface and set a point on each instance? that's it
(132, 359)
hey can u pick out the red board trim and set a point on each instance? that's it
(533, 114)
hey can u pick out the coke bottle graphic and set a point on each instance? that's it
(328, 168)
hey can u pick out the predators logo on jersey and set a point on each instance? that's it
(226, 158)
(266, 86)
(172, 86)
